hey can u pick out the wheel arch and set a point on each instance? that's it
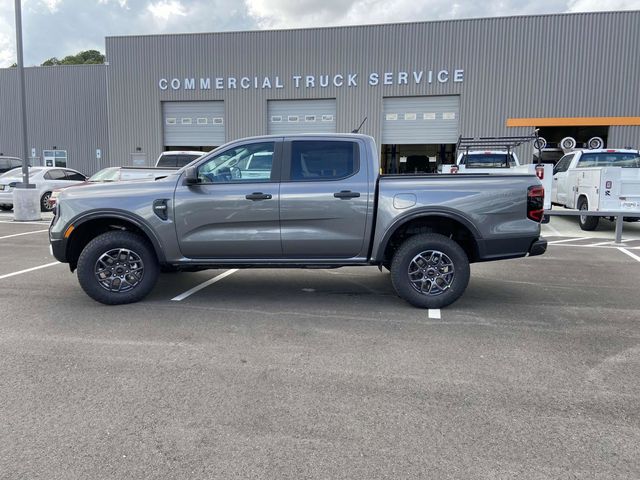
(91, 225)
(447, 223)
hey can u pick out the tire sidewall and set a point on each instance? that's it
(109, 241)
(420, 243)
(591, 222)
(44, 206)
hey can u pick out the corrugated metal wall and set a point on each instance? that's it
(66, 108)
(539, 66)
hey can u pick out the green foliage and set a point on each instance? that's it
(86, 57)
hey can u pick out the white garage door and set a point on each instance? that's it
(193, 123)
(301, 116)
(420, 120)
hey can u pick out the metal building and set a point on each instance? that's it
(420, 86)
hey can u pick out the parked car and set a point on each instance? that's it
(321, 204)
(177, 158)
(9, 163)
(117, 174)
(46, 180)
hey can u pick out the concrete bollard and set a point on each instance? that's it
(26, 205)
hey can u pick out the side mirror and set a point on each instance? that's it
(191, 176)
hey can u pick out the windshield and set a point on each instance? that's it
(610, 159)
(106, 175)
(17, 172)
(488, 160)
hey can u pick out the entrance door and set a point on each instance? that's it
(233, 211)
(324, 199)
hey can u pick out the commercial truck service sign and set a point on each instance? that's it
(373, 79)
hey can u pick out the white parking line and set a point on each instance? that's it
(23, 233)
(632, 255)
(41, 222)
(569, 240)
(434, 313)
(28, 270)
(197, 288)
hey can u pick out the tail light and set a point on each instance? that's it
(535, 203)
(540, 171)
(454, 169)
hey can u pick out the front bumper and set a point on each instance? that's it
(59, 249)
(6, 198)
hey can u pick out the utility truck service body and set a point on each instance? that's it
(605, 180)
(317, 201)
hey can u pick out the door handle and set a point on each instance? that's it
(258, 196)
(346, 194)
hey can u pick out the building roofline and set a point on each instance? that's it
(382, 25)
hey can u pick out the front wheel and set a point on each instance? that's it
(587, 223)
(117, 268)
(430, 271)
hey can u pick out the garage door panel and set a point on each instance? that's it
(301, 116)
(193, 123)
(420, 120)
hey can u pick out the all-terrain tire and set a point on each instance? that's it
(586, 223)
(430, 262)
(118, 267)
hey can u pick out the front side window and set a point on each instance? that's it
(245, 163)
(323, 160)
(563, 164)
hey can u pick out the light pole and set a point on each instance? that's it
(26, 204)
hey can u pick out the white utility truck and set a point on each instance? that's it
(495, 155)
(603, 180)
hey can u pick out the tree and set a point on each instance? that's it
(86, 57)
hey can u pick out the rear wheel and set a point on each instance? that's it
(586, 222)
(117, 268)
(44, 202)
(430, 271)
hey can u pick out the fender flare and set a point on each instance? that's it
(424, 213)
(121, 215)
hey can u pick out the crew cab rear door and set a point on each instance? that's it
(232, 213)
(324, 198)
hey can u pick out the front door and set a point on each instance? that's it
(233, 211)
(560, 181)
(324, 199)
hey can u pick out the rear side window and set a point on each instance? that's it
(609, 159)
(75, 176)
(323, 160)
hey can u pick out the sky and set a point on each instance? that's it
(56, 28)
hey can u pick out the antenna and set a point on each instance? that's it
(357, 130)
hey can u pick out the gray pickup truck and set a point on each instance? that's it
(300, 201)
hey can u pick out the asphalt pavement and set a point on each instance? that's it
(327, 374)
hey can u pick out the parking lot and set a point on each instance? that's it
(325, 373)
